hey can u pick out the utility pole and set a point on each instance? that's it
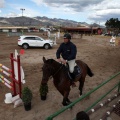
(22, 9)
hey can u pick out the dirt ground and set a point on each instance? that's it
(103, 59)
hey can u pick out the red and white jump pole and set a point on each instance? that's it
(11, 74)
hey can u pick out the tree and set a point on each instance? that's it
(113, 23)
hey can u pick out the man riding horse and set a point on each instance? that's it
(68, 52)
(61, 79)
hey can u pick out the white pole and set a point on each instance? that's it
(55, 40)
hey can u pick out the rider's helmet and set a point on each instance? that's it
(67, 36)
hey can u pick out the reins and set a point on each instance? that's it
(57, 71)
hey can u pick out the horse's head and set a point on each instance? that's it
(47, 69)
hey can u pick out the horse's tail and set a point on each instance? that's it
(89, 72)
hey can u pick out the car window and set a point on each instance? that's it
(29, 38)
(37, 38)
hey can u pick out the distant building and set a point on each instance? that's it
(79, 30)
(82, 30)
(13, 29)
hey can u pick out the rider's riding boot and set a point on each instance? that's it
(72, 80)
(72, 76)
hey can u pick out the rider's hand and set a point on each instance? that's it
(59, 60)
(64, 61)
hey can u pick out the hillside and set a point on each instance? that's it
(39, 21)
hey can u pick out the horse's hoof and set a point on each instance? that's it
(65, 104)
(69, 102)
(80, 95)
(43, 97)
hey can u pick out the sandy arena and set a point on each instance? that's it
(103, 59)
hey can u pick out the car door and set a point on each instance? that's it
(31, 41)
(39, 41)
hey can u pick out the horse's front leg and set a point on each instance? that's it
(81, 84)
(66, 101)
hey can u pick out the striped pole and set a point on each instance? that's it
(102, 104)
(6, 68)
(5, 81)
(7, 74)
(6, 84)
(108, 113)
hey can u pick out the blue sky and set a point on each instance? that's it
(89, 11)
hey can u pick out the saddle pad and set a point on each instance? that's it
(77, 70)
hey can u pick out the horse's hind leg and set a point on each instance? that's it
(81, 85)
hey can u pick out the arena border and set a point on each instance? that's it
(84, 96)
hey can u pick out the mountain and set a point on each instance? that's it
(39, 21)
(57, 22)
(21, 21)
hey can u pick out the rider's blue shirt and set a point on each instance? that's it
(67, 50)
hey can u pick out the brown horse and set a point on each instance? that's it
(60, 77)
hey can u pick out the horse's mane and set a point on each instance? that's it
(55, 63)
(50, 61)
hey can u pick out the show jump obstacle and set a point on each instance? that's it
(10, 73)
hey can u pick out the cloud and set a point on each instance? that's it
(2, 3)
(93, 10)
(16, 11)
(38, 2)
(105, 10)
(78, 10)
(75, 5)
(11, 14)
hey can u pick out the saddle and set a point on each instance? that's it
(76, 72)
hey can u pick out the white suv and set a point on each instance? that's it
(27, 41)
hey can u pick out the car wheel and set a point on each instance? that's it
(46, 46)
(25, 46)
